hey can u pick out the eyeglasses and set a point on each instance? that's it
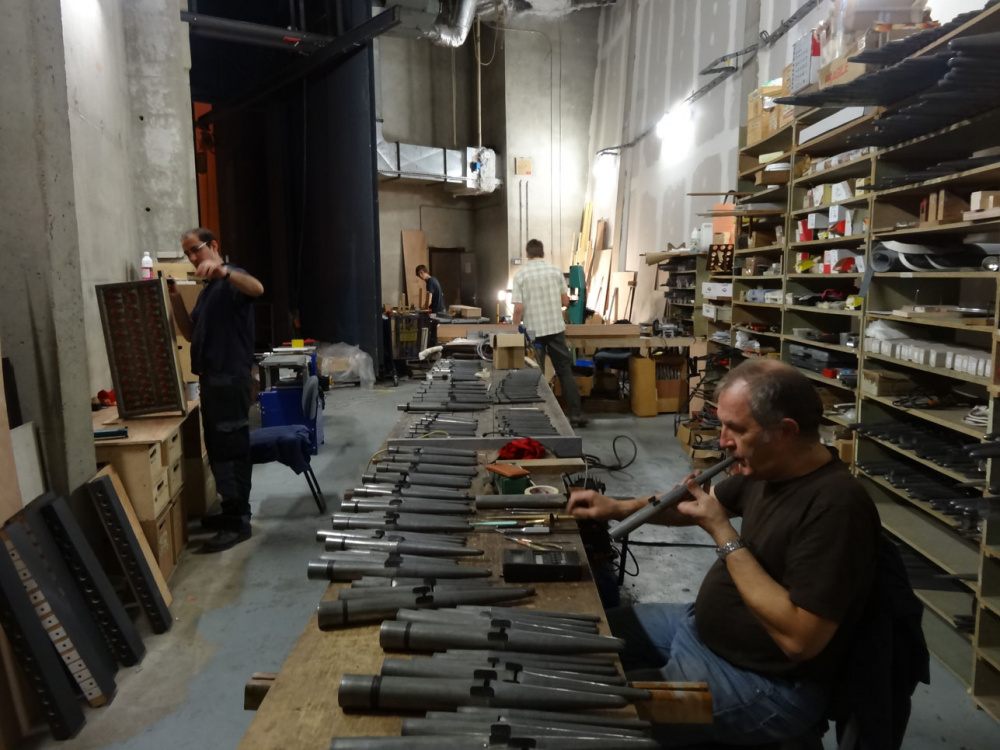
(189, 253)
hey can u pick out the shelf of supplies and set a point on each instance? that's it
(951, 474)
(773, 193)
(836, 419)
(932, 322)
(951, 648)
(678, 288)
(765, 249)
(991, 654)
(985, 21)
(835, 141)
(936, 275)
(991, 603)
(755, 279)
(830, 242)
(953, 374)
(823, 276)
(958, 227)
(946, 604)
(859, 167)
(747, 173)
(833, 382)
(779, 140)
(984, 177)
(754, 213)
(681, 304)
(923, 505)
(828, 206)
(949, 418)
(821, 345)
(821, 310)
(930, 539)
(950, 142)
(772, 305)
(988, 703)
(757, 333)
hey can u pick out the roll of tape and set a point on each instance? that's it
(541, 489)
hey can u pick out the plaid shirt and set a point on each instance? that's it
(539, 287)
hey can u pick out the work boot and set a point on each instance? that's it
(579, 421)
(216, 522)
(225, 539)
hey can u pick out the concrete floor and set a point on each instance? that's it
(241, 611)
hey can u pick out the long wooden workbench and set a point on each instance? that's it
(301, 711)
(579, 336)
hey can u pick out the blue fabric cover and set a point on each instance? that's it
(289, 444)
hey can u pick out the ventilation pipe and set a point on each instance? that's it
(455, 33)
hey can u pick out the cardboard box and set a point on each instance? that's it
(841, 71)
(786, 79)
(762, 238)
(642, 386)
(755, 132)
(689, 432)
(160, 536)
(584, 384)
(702, 459)
(774, 177)
(754, 105)
(464, 311)
(885, 383)
(670, 395)
(606, 381)
(508, 351)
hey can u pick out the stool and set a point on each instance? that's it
(290, 445)
(615, 359)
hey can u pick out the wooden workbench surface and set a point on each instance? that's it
(300, 710)
(151, 429)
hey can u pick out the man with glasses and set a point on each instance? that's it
(221, 332)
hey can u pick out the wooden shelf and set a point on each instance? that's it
(929, 464)
(990, 654)
(923, 505)
(832, 382)
(757, 333)
(766, 249)
(948, 646)
(980, 177)
(946, 604)
(828, 206)
(821, 310)
(774, 193)
(932, 323)
(772, 305)
(831, 242)
(682, 304)
(986, 21)
(747, 173)
(955, 228)
(835, 141)
(988, 703)
(938, 544)
(953, 374)
(826, 277)
(937, 275)
(991, 603)
(949, 418)
(780, 140)
(756, 279)
(820, 344)
(860, 167)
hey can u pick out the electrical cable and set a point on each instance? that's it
(594, 462)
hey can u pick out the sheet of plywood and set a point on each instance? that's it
(133, 521)
(597, 293)
(28, 461)
(414, 254)
(10, 493)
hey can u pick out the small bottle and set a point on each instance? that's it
(147, 266)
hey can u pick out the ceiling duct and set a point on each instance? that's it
(446, 23)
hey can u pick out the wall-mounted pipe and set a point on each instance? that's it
(454, 34)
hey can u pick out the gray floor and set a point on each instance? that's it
(240, 612)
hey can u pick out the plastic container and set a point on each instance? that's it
(147, 266)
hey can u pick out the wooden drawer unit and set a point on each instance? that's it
(160, 536)
(178, 531)
(171, 448)
(175, 477)
(141, 469)
(198, 493)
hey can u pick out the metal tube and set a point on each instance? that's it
(354, 611)
(391, 536)
(399, 466)
(667, 500)
(369, 505)
(469, 669)
(461, 619)
(568, 721)
(503, 502)
(546, 716)
(448, 584)
(424, 549)
(419, 636)
(398, 522)
(416, 694)
(606, 664)
(345, 570)
(411, 743)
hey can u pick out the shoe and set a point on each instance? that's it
(579, 421)
(215, 522)
(225, 539)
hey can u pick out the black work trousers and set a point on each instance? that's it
(225, 414)
(555, 346)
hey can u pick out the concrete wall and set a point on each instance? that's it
(649, 58)
(41, 306)
(101, 143)
(550, 66)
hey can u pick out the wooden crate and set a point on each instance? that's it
(175, 477)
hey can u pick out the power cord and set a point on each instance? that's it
(595, 462)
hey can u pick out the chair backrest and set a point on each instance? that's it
(310, 396)
(886, 657)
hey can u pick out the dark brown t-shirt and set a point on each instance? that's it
(815, 535)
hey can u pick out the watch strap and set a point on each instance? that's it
(729, 548)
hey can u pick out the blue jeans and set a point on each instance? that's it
(662, 644)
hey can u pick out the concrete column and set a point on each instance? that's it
(41, 308)
(158, 53)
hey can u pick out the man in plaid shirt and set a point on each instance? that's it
(540, 293)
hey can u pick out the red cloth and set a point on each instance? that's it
(522, 448)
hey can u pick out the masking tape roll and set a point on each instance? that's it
(541, 489)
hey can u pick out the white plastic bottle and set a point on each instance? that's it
(147, 266)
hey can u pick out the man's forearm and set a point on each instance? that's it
(800, 634)
(246, 283)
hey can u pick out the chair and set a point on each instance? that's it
(292, 446)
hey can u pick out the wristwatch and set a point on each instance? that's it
(228, 273)
(729, 548)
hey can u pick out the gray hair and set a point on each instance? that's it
(777, 391)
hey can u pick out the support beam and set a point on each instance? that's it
(253, 33)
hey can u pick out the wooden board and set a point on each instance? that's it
(414, 254)
(300, 710)
(28, 460)
(147, 553)
(597, 290)
(10, 492)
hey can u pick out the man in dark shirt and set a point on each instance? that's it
(436, 303)
(774, 612)
(221, 332)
